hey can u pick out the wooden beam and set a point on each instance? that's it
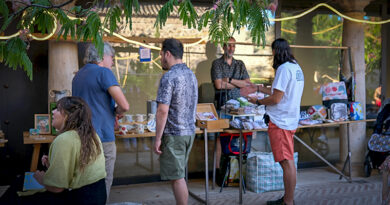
(147, 40)
(113, 39)
(330, 47)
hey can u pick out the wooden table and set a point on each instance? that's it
(331, 124)
(36, 140)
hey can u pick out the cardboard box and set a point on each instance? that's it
(211, 124)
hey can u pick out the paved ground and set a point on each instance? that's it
(315, 186)
(3, 189)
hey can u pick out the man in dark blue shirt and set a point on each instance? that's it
(97, 85)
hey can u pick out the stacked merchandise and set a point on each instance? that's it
(336, 107)
(242, 107)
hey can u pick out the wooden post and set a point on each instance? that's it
(63, 61)
(353, 36)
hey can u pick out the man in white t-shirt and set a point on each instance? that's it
(283, 107)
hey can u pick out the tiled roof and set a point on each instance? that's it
(150, 9)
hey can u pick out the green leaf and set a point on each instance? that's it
(44, 22)
(3, 52)
(76, 9)
(67, 25)
(187, 13)
(112, 18)
(13, 52)
(4, 11)
(219, 32)
(258, 24)
(164, 13)
(6, 23)
(90, 28)
(41, 2)
(128, 7)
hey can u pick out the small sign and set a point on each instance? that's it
(144, 54)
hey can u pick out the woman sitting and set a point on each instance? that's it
(76, 167)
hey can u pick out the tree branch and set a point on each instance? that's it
(40, 6)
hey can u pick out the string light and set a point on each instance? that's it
(32, 36)
(314, 33)
(332, 9)
(205, 38)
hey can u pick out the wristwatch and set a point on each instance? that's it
(258, 102)
(230, 80)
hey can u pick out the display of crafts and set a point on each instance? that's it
(242, 106)
(248, 124)
(137, 125)
(205, 116)
(151, 125)
(318, 114)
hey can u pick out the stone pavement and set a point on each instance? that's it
(315, 186)
(332, 194)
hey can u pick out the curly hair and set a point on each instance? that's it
(79, 118)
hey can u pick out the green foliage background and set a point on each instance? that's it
(223, 20)
(333, 37)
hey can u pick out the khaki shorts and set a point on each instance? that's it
(174, 157)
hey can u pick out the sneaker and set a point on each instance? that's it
(277, 202)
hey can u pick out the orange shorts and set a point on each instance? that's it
(282, 142)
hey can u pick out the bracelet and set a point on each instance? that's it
(257, 102)
(230, 80)
(258, 88)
